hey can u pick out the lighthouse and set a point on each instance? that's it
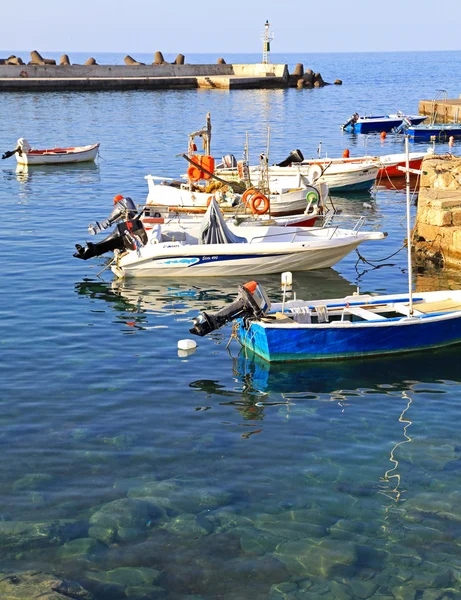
(266, 38)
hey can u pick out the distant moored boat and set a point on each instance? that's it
(25, 155)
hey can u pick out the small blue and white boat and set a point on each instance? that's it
(441, 131)
(357, 326)
(379, 123)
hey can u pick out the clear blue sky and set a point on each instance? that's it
(226, 26)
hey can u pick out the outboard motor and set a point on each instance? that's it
(23, 146)
(126, 236)
(404, 125)
(295, 156)
(124, 209)
(252, 301)
(352, 121)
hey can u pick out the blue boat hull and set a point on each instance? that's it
(384, 124)
(441, 132)
(314, 342)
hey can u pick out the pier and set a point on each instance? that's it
(441, 110)
(154, 77)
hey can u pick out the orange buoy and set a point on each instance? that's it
(259, 204)
(383, 135)
(451, 141)
(346, 153)
(117, 198)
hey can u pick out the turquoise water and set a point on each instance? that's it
(140, 474)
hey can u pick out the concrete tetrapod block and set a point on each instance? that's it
(158, 59)
(36, 58)
(179, 59)
(14, 60)
(299, 70)
(130, 61)
(64, 60)
(90, 61)
(221, 61)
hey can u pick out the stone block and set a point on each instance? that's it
(456, 217)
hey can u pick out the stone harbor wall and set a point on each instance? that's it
(43, 74)
(437, 232)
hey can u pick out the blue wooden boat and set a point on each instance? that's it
(441, 131)
(379, 123)
(356, 326)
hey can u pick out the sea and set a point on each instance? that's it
(129, 471)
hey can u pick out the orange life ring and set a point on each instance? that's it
(246, 198)
(259, 204)
(194, 173)
(23, 74)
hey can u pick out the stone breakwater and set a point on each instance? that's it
(437, 232)
(42, 74)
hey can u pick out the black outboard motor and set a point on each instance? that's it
(124, 209)
(251, 301)
(9, 153)
(126, 236)
(295, 156)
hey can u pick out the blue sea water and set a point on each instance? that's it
(141, 474)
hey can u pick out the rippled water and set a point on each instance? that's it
(140, 474)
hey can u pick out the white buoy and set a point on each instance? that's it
(286, 280)
(366, 205)
(186, 353)
(187, 345)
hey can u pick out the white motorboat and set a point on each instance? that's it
(25, 155)
(217, 249)
(282, 199)
(339, 176)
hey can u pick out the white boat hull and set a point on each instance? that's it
(55, 157)
(281, 203)
(339, 176)
(316, 249)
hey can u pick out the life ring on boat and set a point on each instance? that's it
(194, 173)
(259, 204)
(257, 201)
(23, 74)
(246, 198)
(312, 196)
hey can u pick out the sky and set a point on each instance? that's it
(228, 26)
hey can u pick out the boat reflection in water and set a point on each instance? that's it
(329, 377)
(147, 297)
(80, 171)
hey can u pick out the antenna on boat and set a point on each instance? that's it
(410, 268)
(266, 38)
(406, 169)
(286, 283)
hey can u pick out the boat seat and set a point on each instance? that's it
(363, 313)
(283, 319)
(174, 236)
(447, 305)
